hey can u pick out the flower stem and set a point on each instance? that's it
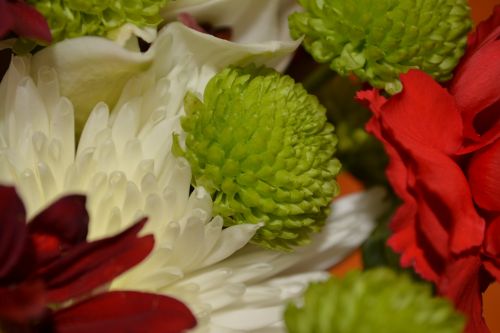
(318, 77)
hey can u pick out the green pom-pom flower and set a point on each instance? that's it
(379, 39)
(262, 147)
(376, 301)
(75, 18)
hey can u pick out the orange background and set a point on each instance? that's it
(481, 9)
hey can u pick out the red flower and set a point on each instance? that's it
(48, 262)
(23, 20)
(444, 149)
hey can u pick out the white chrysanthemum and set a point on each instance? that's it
(124, 166)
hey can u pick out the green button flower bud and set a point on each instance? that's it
(379, 39)
(74, 18)
(374, 301)
(262, 147)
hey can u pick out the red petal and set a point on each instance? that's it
(493, 267)
(88, 266)
(464, 283)
(476, 87)
(424, 114)
(6, 19)
(485, 32)
(61, 225)
(475, 84)
(189, 21)
(22, 303)
(484, 177)
(28, 22)
(125, 312)
(404, 223)
(492, 242)
(12, 230)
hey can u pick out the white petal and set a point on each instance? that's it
(352, 220)
(252, 21)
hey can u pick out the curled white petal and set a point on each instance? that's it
(251, 21)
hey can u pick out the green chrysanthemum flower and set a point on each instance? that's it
(74, 18)
(379, 39)
(372, 302)
(262, 147)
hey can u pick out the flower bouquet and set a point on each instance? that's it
(175, 165)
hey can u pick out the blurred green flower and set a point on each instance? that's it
(374, 301)
(379, 39)
(262, 147)
(74, 18)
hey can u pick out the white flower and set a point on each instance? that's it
(251, 21)
(124, 165)
(260, 282)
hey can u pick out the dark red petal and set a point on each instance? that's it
(485, 32)
(61, 225)
(23, 302)
(12, 230)
(28, 22)
(88, 266)
(463, 283)
(189, 21)
(6, 19)
(492, 265)
(476, 87)
(131, 312)
(492, 242)
(484, 177)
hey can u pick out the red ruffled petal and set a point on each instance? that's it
(61, 225)
(22, 303)
(88, 266)
(484, 177)
(463, 283)
(404, 239)
(485, 32)
(131, 312)
(424, 114)
(492, 242)
(478, 96)
(12, 230)
(420, 127)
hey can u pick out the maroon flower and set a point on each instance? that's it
(444, 149)
(48, 262)
(23, 20)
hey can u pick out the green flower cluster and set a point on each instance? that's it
(74, 18)
(262, 147)
(379, 39)
(375, 301)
